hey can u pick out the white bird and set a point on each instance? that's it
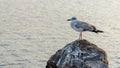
(81, 26)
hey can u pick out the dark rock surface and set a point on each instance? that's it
(79, 54)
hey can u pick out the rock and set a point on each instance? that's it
(79, 54)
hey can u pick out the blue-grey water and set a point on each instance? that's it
(33, 30)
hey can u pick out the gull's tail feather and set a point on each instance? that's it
(97, 31)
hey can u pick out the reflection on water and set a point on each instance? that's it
(31, 30)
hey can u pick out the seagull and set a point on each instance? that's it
(81, 26)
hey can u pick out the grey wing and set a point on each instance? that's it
(85, 26)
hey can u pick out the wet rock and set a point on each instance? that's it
(79, 54)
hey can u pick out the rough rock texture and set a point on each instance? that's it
(79, 54)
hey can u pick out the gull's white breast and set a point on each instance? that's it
(73, 25)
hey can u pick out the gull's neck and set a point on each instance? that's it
(74, 21)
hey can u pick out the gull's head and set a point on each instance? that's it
(73, 18)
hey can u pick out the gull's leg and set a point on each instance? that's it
(80, 36)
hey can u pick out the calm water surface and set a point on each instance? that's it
(33, 30)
